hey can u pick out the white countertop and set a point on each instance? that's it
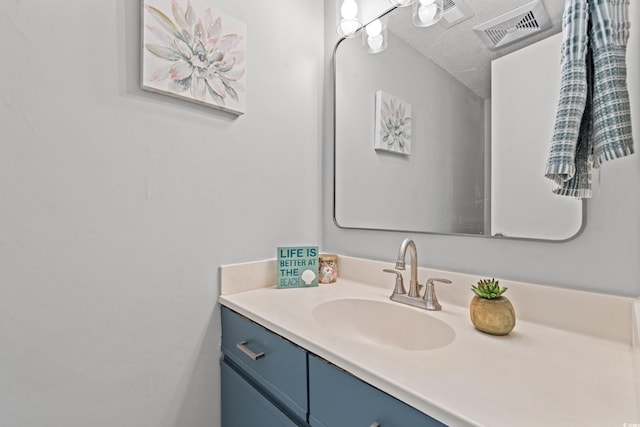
(538, 375)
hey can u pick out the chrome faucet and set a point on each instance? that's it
(429, 301)
(400, 265)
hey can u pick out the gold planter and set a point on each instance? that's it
(493, 316)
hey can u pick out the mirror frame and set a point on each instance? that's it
(333, 187)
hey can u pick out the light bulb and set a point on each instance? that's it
(349, 27)
(349, 9)
(374, 28)
(401, 3)
(375, 43)
(427, 13)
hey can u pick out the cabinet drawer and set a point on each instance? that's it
(338, 399)
(281, 369)
(243, 405)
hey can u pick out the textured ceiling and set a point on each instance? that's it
(459, 50)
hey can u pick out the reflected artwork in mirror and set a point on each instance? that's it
(483, 86)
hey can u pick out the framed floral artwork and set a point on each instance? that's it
(392, 124)
(194, 52)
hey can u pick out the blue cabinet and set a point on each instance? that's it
(269, 381)
(243, 405)
(338, 399)
(275, 364)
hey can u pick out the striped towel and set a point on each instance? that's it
(593, 120)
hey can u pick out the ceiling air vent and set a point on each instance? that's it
(515, 25)
(447, 4)
(454, 12)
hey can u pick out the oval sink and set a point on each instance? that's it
(384, 323)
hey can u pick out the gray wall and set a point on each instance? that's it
(603, 258)
(447, 137)
(117, 206)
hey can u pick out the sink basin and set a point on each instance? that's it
(384, 323)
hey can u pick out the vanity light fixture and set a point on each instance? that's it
(427, 12)
(401, 3)
(349, 25)
(374, 36)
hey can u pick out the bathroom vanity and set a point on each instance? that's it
(342, 354)
(283, 383)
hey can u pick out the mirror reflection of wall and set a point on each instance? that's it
(523, 99)
(425, 190)
(451, 182)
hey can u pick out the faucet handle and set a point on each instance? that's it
(430, 294)
(399, 288)
(430, 281)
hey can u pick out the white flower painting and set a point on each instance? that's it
(191, 51)
(393, 124)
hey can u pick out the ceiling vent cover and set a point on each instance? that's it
(454, 12)
(515, 25)
(447, 4)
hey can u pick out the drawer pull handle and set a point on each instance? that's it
(242, 346)
(375, 424)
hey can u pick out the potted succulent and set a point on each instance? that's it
(490, 311)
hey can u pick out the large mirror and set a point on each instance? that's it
(447, 130)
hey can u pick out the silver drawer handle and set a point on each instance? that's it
(375, 424)
(242, 346)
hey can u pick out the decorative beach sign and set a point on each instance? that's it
(393, 124)
(297, 267)
(194, 52)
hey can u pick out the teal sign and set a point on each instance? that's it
(297, 267)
